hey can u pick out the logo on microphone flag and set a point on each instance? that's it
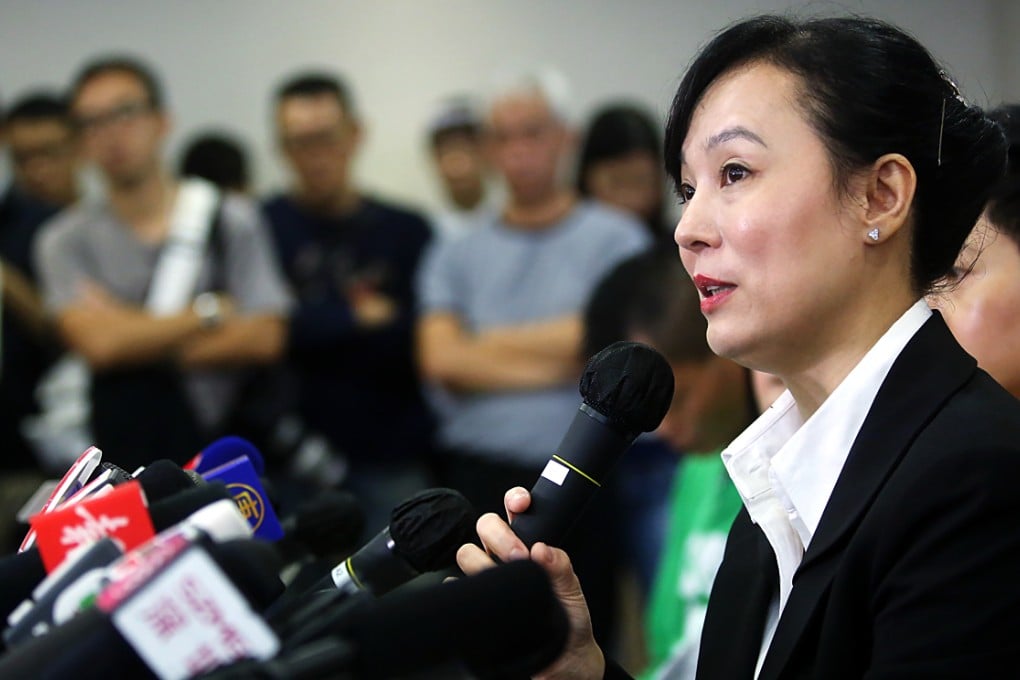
(189, 618)
(250, 503)
(243, 483)
(120, 514)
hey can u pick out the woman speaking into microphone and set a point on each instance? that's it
(829, 172)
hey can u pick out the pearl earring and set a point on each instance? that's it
(873, 234)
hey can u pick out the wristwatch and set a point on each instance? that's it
(208, 309)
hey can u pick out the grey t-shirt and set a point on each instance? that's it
(89, 242)
(499, 275)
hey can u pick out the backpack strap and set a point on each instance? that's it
(175, 276)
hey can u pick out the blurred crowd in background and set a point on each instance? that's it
(364, 345)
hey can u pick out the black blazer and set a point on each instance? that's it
(914, 570)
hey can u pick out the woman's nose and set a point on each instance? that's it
(696, 229)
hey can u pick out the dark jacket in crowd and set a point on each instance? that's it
(357, 386)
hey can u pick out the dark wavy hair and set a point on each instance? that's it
(38, 106)
(868, 89)
(130, 65)
(218, 157)
(615, 131)
(316, 83)
(1003, 207)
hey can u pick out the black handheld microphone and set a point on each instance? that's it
(327, 526)
(505, 619)
(424, 534)
(627, 389)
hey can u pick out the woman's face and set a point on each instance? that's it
(983, 310)
(632, 183)
(763, 231)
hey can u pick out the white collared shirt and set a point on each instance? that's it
(785, 469)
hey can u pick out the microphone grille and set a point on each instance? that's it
(196, 479)
(330, 523)
(630, 384)
(163, 479)
(429, 527)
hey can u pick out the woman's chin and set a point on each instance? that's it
(724, 343)
(739, 349)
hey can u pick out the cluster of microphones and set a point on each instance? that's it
(181, 572)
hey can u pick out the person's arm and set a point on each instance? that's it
(104, 330)
(521, 357)
(582, 659)
(108, 333)
(461, 361)
(271, 320)
(558, 339)
(24, 301)
(375, 318)
(239, 341)
(321, 324)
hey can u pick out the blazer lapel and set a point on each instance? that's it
(910, 394)
(747, 580)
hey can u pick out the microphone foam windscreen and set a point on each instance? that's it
(330, 523)
(177, 508)
(505, 618)
(19, 574)
(196, 479)
(86, 647)
(630, 384)
(253, 566)
(429, 527)
(162, 479)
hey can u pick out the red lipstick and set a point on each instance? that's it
(713, 292)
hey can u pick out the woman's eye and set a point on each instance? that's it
(733, 173)
(684, 192)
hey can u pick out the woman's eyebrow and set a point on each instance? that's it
(737, 132)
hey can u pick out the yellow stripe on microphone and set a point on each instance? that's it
(577, 470)
(350, 570)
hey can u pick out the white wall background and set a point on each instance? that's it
(219, 60)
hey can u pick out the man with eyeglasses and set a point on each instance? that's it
(164, 377)
(43, 150)
(351, 259)
(27, 343)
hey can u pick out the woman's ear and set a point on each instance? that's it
(884, 197)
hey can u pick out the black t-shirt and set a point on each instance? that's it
(358, 387)
(23, 358)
